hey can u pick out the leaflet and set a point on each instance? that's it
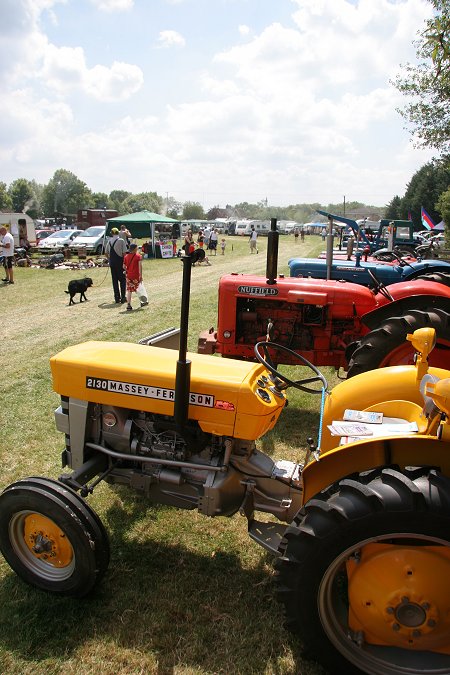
(363, 416)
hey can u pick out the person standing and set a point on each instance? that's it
(116, 249)
(252, 240)
(7, 245)
(132, 264)
(188, 242)
(223, 243)
(296, 234)
(206, 236)
(125, 235)
(213, 239)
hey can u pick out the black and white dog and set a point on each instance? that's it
(78, 286)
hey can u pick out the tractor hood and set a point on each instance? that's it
(227, 397)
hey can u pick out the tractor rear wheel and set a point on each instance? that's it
(51, 538)
(438, 277)
(364, 574)
(387, 345)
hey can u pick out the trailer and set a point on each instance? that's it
(20, 225)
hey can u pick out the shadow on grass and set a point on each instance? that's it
(171, 605)
(288, 430)
(109, 305)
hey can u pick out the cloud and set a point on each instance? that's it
(113, 5)
(243, 30)
(171, 38)
(300, 111)
(65, 68)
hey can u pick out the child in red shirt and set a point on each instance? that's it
(132, 264)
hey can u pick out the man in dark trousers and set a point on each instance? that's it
(116, 248)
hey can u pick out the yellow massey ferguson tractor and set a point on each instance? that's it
(361, 532)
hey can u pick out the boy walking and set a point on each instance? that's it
(132, 263)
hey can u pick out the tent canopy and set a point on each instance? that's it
(139, 224)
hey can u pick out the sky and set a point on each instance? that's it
(211, 101)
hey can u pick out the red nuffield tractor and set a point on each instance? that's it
(360, 528)
(331, 323)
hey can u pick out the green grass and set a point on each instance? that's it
(184, 594)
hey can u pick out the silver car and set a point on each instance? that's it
(58, 240)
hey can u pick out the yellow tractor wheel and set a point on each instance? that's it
(365, 574)
(51, 538)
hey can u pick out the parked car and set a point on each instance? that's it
(58, 240)
(91, 240)
(43, 234)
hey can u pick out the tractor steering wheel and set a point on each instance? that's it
(379, 287)
(283, 381)
(399, 255)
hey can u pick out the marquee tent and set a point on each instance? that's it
(142, 224)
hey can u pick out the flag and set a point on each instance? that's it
(427, 220)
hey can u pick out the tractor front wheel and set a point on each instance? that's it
(51, 538)
(364, 574)
(387, 345)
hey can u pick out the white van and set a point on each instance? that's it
(20, 226)
(244, 227)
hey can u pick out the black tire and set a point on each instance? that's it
(387, 345)
(371, 531)
(437, 277)
(419, 274)
(99, 249)
(51, 538)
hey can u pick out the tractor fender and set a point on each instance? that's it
(400, 307)
(401, 451)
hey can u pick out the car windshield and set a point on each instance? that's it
(93, 232)
(62, 234)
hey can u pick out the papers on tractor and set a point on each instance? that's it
(358, 431)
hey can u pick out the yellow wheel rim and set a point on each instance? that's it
(399, 596)
(46, 541)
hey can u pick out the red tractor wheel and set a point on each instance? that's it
(364, 574)
(387, 345)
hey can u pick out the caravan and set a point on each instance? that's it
(244, 227)
(20, 226)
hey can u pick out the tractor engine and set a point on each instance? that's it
(118, 416)
(317, 319)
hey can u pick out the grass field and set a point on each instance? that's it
(184, 594)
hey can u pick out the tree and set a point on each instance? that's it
(116, 200)
(394, 209)
(193, 210)
(428, 83)
(443, 206)
(21, 193)
(424, 189)
(5, 199)
(100, 200)
(65, 193)
(144, 201)
(35, 209)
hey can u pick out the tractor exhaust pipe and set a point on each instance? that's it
(183, 372)
(272, 253)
